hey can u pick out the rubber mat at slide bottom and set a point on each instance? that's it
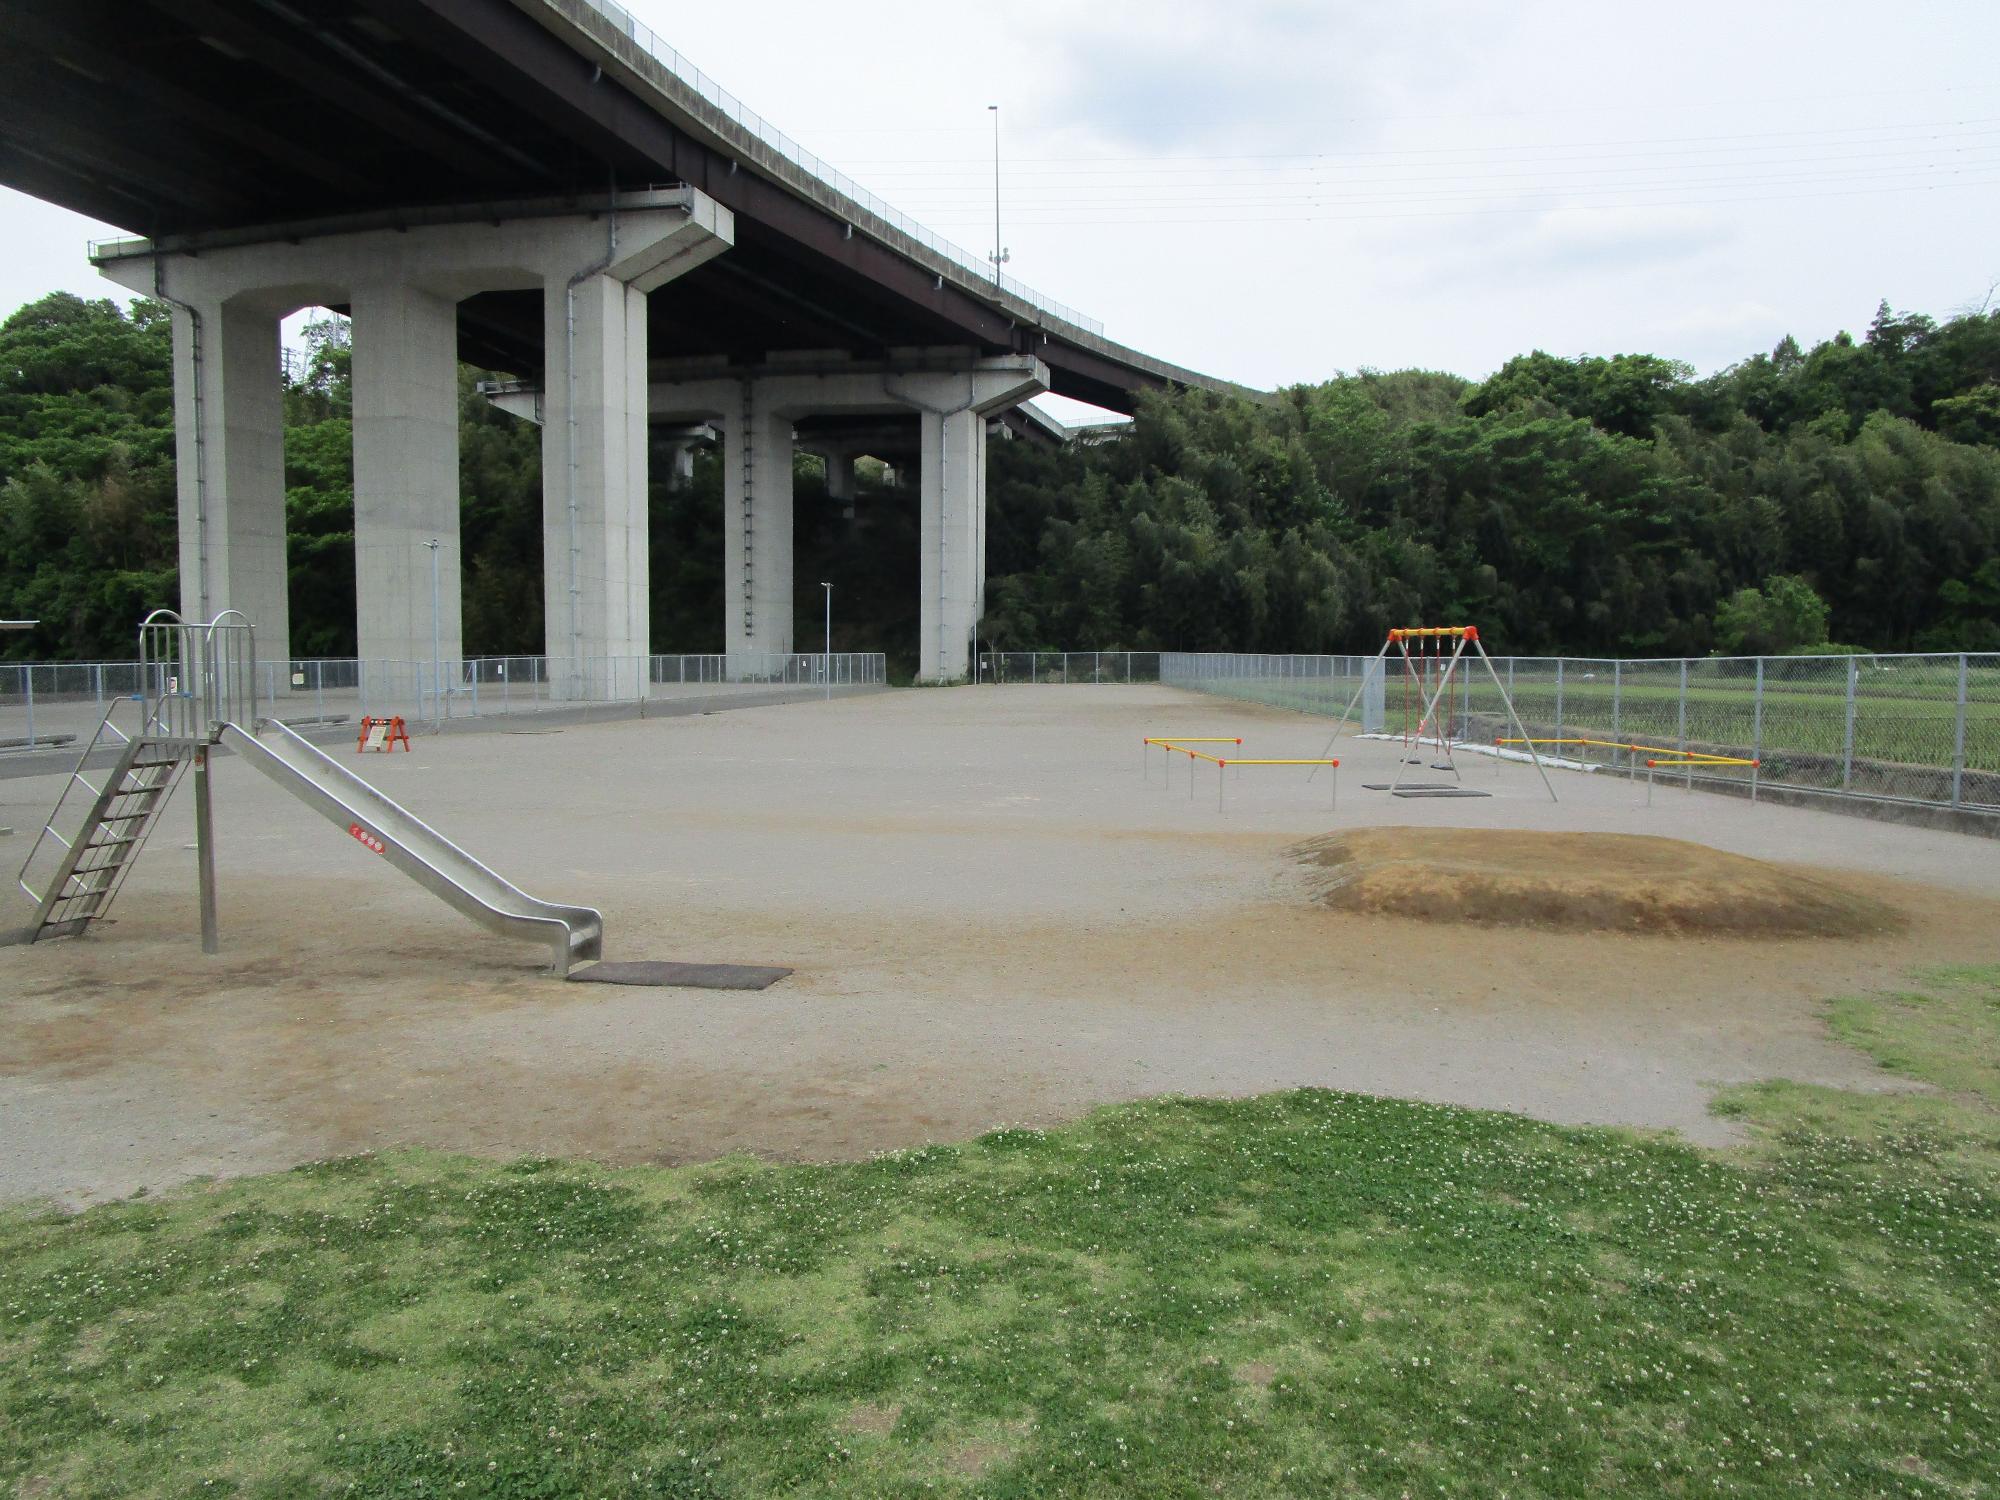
(682, 976)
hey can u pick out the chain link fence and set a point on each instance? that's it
(1069, 666)
(1917, 730)
(49, 705)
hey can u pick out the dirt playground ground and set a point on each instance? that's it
(995, 918)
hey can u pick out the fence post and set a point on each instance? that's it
(1847, 738)
(1958, 741)
(1617, 702)
(1681, 716)
(1757, 722)
(28, 679)
(97, 678)
(1559, 705)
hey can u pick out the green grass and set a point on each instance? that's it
(1308, 1293)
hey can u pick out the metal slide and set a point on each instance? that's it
(415, 848)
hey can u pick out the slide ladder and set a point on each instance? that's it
(412, 846)
(108, 822)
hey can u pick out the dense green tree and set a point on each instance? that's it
(86, 472)
(1580, 505)
(1784, 615)
(1567, 505)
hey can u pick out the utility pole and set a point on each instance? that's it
(1000, 256)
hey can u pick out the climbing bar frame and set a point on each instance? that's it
(1222, 763)
(1658, 757)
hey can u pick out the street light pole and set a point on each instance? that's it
(1000, 256)
(826, 661)
(437, 637)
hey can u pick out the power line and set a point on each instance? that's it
(1112, 213)
(1619, 107)
(1858, 136)
(1544, 209)
(943, 196)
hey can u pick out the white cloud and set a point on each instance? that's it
(1467, 181)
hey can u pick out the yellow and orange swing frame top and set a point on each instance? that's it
(1435, 632)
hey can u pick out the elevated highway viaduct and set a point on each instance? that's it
(543, 188)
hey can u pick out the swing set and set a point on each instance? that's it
(1429, 673)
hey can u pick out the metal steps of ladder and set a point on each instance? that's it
(113, 828)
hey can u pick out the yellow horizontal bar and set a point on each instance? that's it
(1664, 756)
(1607, 744)
(1199, 739)
(1246, 762)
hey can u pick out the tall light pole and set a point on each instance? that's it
(826, 660)
(437, 637)
(1000, 256)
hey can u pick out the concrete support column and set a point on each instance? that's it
(229, 436)
(594, 262)
(951, 497)
(756, 529)
(594, 520)
(406, 489)
(840, 478)
(680, 465)
(952, 505)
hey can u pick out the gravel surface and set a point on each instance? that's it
(996, 917)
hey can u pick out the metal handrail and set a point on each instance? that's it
(194, 678)
(780, 144)
(75, 778)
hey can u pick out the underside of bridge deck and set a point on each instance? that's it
(184, 120)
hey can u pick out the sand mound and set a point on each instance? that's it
(1590, 882)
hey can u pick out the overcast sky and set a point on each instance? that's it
(1279, 190)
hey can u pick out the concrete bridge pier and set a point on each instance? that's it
(756, 529)
(406, 476)
(953, 392)
(674, 450)
(402, 276)
(595, 442)
(840, 477)
(229, 425)
(951, 560)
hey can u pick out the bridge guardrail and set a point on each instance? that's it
(741, 114)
